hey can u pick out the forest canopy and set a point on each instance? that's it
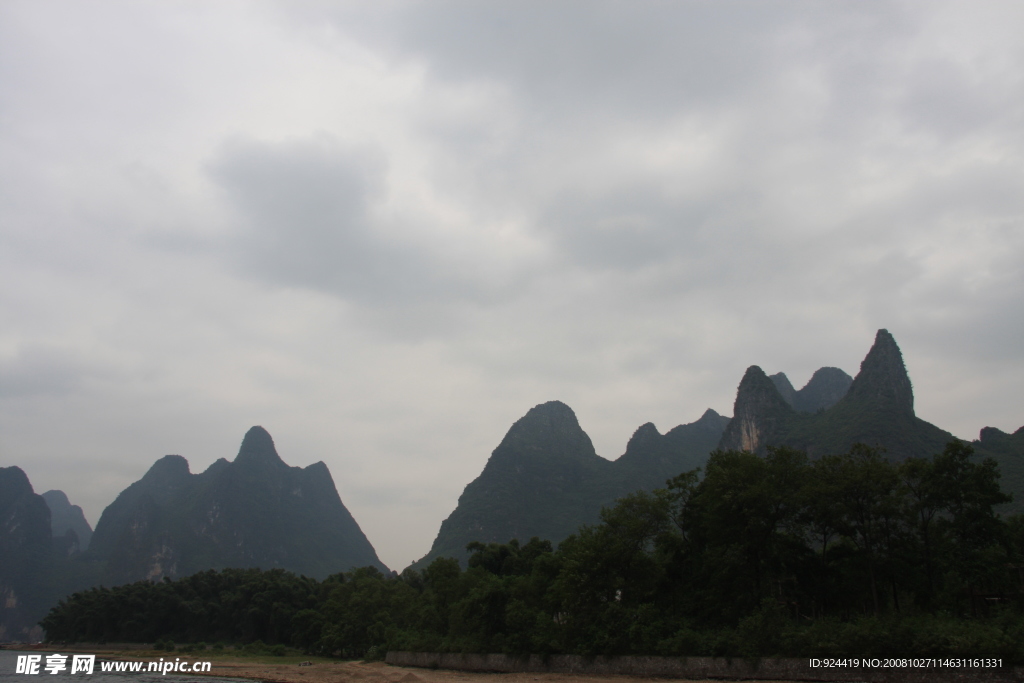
(754, 556)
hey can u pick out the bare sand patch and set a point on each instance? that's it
(320, 670)
(379, 672)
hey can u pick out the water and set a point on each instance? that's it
(9, 658)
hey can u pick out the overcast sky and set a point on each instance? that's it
(384, 231)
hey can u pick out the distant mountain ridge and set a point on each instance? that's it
(26, 557)
(877, 410)
(1008, 451)
(545, 479)
(253, 512)
(825, 388)
(68, 523)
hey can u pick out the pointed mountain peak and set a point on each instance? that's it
(258, 449)
(550, 427)
(14, 483)
(65, 517)
(646, 429)
(319, 469)
(710, 416)
(642, 437)
(756, 388)
(168, 468)
(711, 421)
(216, 466)
(57, 500)
(552, 416)
(784, 386)
(757, 413)
(824, 389)
(828, 375)
(552, 410)
(883, 381)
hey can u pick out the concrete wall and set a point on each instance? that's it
(768, 669)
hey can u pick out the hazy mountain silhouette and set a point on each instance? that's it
(68, 523)
(823, 390)
(26, 557)
(544, 478)
(877, 410)
(1008, 451)
(253, 512)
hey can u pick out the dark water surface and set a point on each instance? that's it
(9, 659)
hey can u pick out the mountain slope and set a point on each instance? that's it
(1008, 451)
(67, 519)
(253, 512)
(544, 478)
(823, 390)
(760, 414)
(878, 410)
(25, 557)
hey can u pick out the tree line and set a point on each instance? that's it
(756, 556)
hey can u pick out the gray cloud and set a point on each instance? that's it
(308, 215)
(303, 216)
(385, 231)
(647, 62)
(41, 370)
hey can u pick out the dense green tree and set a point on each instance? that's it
(744, 524)
(762, 555)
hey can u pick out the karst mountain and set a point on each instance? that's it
(544, 479)
(255, 511)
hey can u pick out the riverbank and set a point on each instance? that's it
(304, 669)
(427, 668)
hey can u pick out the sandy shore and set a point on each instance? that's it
(319, 670)
(379, 672)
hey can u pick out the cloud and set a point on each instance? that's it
(40, 370)
(303, 216)
(740, 169)
(386, 230)
(316, 214)
(646, 62)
